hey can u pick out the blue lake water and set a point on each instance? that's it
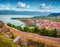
(7, 19)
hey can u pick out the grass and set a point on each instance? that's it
(4, 42)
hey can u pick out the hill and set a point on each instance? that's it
(4, 42)
(32, 39)
(54, 14)
(11, 12)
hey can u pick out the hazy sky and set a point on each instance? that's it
(31, 5)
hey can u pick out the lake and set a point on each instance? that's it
(7, 19)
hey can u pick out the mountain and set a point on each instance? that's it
(11, 12)
(54, 14)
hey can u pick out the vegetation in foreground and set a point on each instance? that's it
(37, 43)
(17, 27)
(43, 31)
(4, 42)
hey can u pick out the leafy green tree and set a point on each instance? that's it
(54, 33)
(19, 28)
(11, 25)
(44, 32)
(59, 36)
(36, 30)
(31, 30)
(26, 29)
(1, 21)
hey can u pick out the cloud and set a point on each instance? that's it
(44, 6)
(2, 7)
(5, 7)
(22, 5)
(58, 7)
(10, 7)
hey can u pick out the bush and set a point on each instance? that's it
(4, 42)
(17, 27)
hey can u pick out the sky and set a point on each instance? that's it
(31, 5)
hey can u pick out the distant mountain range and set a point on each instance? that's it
(54, 14)
(10, 12)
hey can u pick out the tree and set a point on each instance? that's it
(11, 25)
(26, 29)
(36, 30)
(54, 33)
(19, 28)
(44, 32)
